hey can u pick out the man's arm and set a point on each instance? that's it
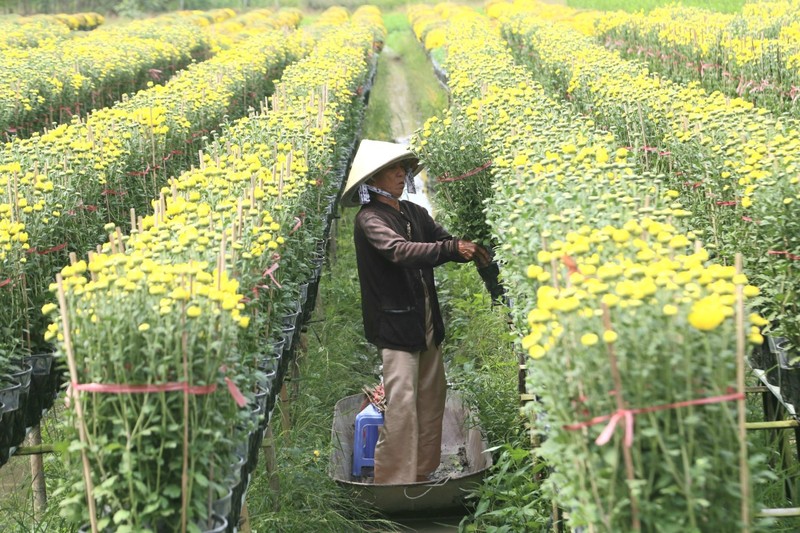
(468, 251)
(403, 252)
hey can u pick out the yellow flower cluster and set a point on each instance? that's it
(642, 263)
(743, 159)
(217, 219)
(49, 83)
(228, 33)
(564, 182)
(754, 53)
(37, 30)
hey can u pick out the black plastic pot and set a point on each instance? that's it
(770, 361)
(275, 346)
(757, 358)
(41, 393)
(14, 392)
(9, 398)
(23, 376)
(216, 524)
(303, 293)
(239, 483)
(269, 367)
(222, 506)
(789, 370)
(255, 437)
(262, 400)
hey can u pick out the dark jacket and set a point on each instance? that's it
(396, 252)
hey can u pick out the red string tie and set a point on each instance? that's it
(54, 249)
(628, 415)
(468, 174)
(298, 223)
(788, 255)
(121, 388)
(269, 272)
(235, 393)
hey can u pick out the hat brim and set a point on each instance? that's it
(366, 167)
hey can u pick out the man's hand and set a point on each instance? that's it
(474, 252)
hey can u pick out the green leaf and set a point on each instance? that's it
(121, 515)
(171, 491)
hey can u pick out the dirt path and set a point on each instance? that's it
(403, 116)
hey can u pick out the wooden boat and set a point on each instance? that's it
(462, 442)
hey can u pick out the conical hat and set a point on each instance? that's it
(371, 158)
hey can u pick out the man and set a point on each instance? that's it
(397, 245)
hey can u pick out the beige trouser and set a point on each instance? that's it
(410, 440)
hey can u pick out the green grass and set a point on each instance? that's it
(378, 117)
(724, 6)
(16, 509)
(426, 92)
(428, 97)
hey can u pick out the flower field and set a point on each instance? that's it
(754, 53)
(118, 158)
(30, 32)
(729, 163)
(168, 187)
(227, 253)
(618, 235)
(53, 81)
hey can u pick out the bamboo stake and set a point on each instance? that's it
(73, 374)
(185, 465)
(744, 472)
(630, 474)
(38, 486)
(120, 240)
(553, 266)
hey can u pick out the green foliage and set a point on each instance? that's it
(725, 6)
(483, 366)
(481, 362)
(457, 150)
(510, 499)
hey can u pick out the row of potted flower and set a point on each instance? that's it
(61, 187)
(733, 165)
(24, 32)
(754, 54)
(631, 329)
(178, 328)
(50, 83)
